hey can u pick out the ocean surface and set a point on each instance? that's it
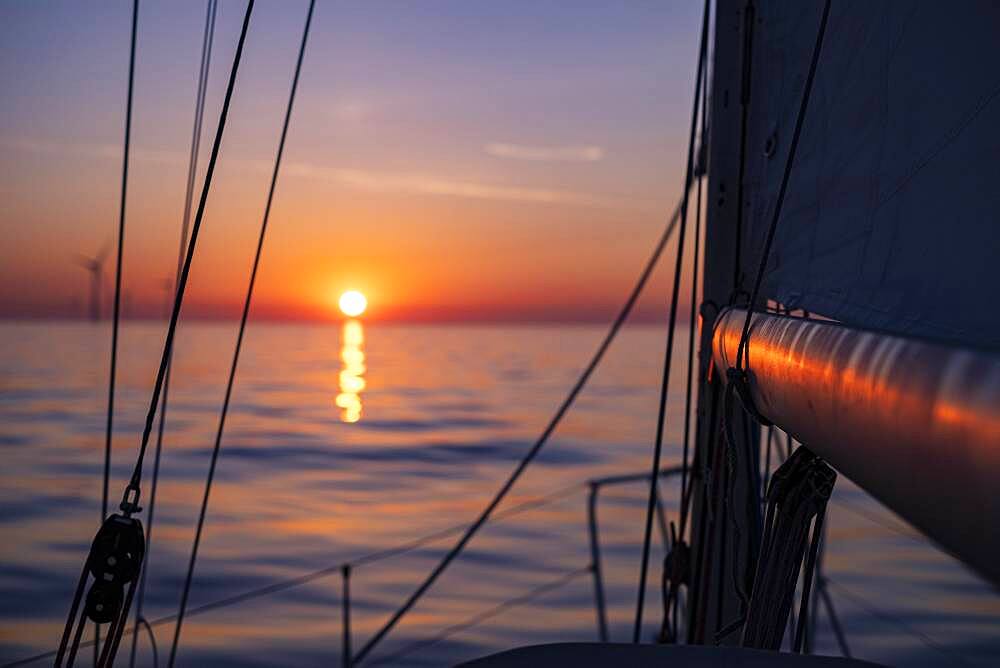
(347, 440)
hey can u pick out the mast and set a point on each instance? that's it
(712, 599)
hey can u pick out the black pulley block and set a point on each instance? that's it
(114, 561)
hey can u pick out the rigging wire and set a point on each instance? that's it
(889, 525)
(700, 170)
(672, 322)
(130, 499)
(860, 601)
(152, 639)
(476, 620)
(417, 543)
(204, 68)
(831, 613)
(801, 631)
(362, 560)
(671, 598)
(535, 448)
(239, 340)
(109, 425)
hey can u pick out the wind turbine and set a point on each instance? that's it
(95, 265)
(169, 288)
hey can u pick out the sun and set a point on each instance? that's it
(353, 303)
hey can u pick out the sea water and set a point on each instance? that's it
(345, 439)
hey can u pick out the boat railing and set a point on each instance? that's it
(346, 570)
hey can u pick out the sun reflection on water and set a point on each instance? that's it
(352, 380)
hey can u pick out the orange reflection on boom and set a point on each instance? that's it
(352, 380)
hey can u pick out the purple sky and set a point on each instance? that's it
(453, 160)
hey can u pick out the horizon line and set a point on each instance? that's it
(589, 319)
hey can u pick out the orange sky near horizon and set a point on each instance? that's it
(444, 179)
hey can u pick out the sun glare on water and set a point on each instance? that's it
(353, 303)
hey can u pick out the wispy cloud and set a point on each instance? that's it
(91, 150)
(351, 111)
(545, 153)
(360, 179)
(426, 184)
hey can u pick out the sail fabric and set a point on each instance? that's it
(891, 219)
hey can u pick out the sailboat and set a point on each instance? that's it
(846, 156)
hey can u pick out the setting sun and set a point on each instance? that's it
(353, 303)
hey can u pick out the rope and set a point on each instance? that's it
(372, 557)
(742, 582)
(118, 264)
(239, 337)
(692, 319)
(208, 607)
(206, 60)
(130, 499)
(475, 620)
(767, 462)
(671, 326)
(703, 542)
(118, 284)
(769, 239)
(737, 377)
(888, 525)
(807, 578)
(796, 498)
(831, 612)
(534, 450)
(427, 539)
(206, 57)
(152, 639)
(672, 599)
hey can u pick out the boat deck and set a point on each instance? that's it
(584, 655)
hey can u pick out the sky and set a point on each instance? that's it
(466, 160)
